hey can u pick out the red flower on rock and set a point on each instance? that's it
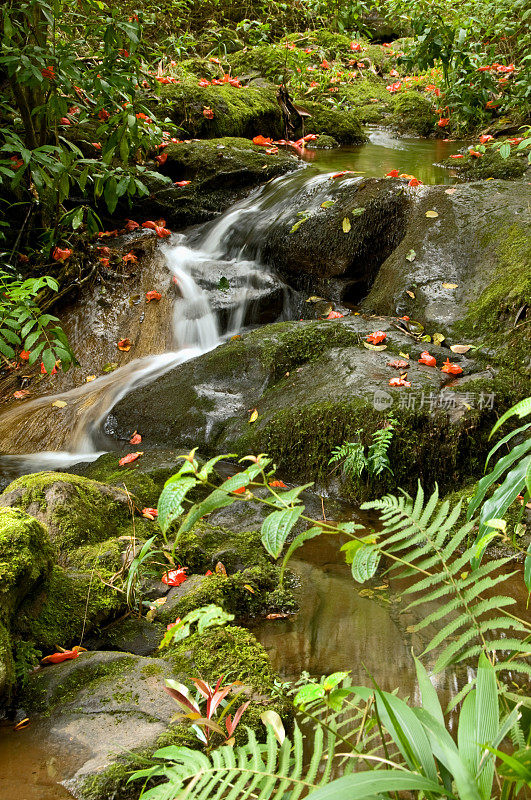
(376, 337)
(174, 577)
(427, 359)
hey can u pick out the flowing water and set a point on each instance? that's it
(226, 252)
(336, 627)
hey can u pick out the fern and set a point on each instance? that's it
(352, 454)
(377, 457)
(422, 541)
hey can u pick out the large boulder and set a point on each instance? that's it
(111, 708)
(26, 557)
(361, 224)
(75, 510)
(470, 271)
(309, 378)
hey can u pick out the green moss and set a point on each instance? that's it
(65, 608)
(113, 781)
(413, 113)
(25, 557)
(490, 165)
(201, 548)
(7, 666)
(427, 446)
(235, 654)
(288, 347)
(232, 593)
(146, 488)
(324, 142)
(77, 510)
(492, 315)
(342, 125)
(237, 112)
(104, 557)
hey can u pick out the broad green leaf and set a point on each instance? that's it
(295, 544)
(364, 785)
(365, 563)
(277, 527)
(521, 410)
(170, 501)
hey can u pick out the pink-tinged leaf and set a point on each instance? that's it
(237, 717)
(181, 699)
(203, 688)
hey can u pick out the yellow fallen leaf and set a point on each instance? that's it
(90, 378)
(254, 415)
(411, 294)
(249, 588)
(460, 348)
(59, 403)
(450, 285)
(431, 214)
(438, 338)
(370, 346)
(346, 225)
(404, 355)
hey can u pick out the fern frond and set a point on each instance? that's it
(419, 536)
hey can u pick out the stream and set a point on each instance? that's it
(337, 627)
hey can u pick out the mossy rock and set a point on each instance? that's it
(65, 608)
(7, 667)
(243, 112)
(75, 510)
(273, 61)
(490, 165)
(220, 171)
(234, 653)
(324, 142)
(26, 557)
(413, 113)
(344, 126)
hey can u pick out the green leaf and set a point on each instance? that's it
(48, 359)
(170, 501)
(521, 410)
(277, 527)
(298, 541)
(364, 785)
(365, 562)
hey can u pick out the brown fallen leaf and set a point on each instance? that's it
(59, 403)
(277, 615)
(220, 568)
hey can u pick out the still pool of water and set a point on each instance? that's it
(385, 152)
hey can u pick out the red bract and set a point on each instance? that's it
(104, 262)
(271, 151)
(150, 513)
(427, 359)
(262, 140)
(48, 73)
(97, 145)
(376, 337)
(131, 225)
(162, 158)
(278, 484)
(208, 113)
(241, 490)
(392, 174)
(415, 182)
(124, 345)
(64, 121)
(485, 137)
(180, 184)
(21, 394)
(65, 655)
(104, 234)
(173, 624)
(492, 104)
(457, 155)
(355, 46)
(399, 382)
(44, 371)
(103, 115)
(325, 64)
(398, 364)
(451, 369)
(174, 577)
(129, 258)
(394, 74)
(334, 315)
(516, 140)
(340, 174)
(203, 82)
(61, 254)
(153, 295)
(24, 355)
(443, 122)
(394, 87)
(129, 458)
(475, 153)
(144, 117)
(135, 438)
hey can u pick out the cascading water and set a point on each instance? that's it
(198, 263)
